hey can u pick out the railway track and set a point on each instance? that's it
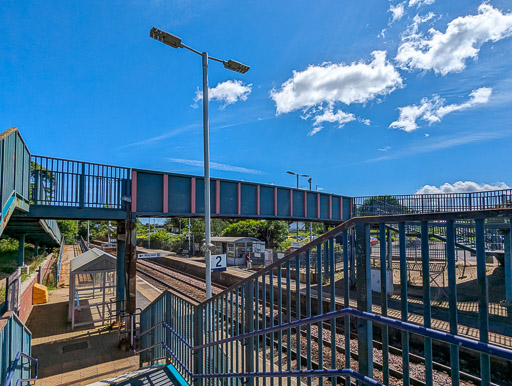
(441, 372)
(189, 286)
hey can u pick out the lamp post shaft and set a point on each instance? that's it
(207, 252)
(297, 221)
(310, 223)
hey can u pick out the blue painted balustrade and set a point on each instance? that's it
(267, 325)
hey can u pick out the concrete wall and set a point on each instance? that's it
(28, 285)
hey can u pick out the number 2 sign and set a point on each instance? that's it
(218, 263)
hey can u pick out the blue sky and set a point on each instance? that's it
(366, 97)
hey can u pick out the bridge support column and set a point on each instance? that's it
(21, 251)
(121, 275)
(130, 265)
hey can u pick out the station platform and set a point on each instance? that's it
(87, 355)
(77, 357)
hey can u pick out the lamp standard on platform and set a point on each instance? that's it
(298, 175)
(175, 42)
(310, 223)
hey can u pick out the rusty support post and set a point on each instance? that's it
(130, 264)
(121, 274)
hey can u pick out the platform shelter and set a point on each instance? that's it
(92, 285)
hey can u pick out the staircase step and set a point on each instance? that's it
(160, 375)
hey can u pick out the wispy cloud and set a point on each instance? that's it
(384, 148)
(215, 165)
(446, 142)
(192, 127)
(169, 134)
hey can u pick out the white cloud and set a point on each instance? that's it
(331, 83)
(328, 83)
(229, 92)
(397, 11)
(384, 148)
(328, 115)
(461, 187)
(366, 121)
(419, 3)
(215, 165)
(447, 52)
(434, 109)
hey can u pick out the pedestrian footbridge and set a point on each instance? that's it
(322, 314)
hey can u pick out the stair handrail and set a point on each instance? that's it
(485, 348)
(10, 375)
(59, 260)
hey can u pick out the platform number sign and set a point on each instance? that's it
(218, 263)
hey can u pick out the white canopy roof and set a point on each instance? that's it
(93, 260)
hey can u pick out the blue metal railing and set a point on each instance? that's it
(14, 166)
(15, 339)
(471, 344)
(59, 260)
(62, 182)
(10, 376)
(234, 333)
(429, 203)
(83, 245)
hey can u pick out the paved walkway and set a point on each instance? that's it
(70, 251)
(77, 357)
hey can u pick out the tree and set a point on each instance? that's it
(97, 229)
(272, 232)
(197, 225)
(44, 179)
(380, 205)
(68, 229)
(318, 228)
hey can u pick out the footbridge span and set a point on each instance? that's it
(300, 318)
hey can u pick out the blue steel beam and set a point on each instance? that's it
(161, 194)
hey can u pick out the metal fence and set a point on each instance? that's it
(431, 203)
(59, 261)
(12, 292)
(14, 166)
(64, 182)
(15, 347)
(272, 326)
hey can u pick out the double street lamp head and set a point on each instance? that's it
(297, 174)
(175, 42)
(165, 38)
(236, 66)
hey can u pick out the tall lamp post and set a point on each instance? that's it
(298, 175)
(310, 223)
(175, 42)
